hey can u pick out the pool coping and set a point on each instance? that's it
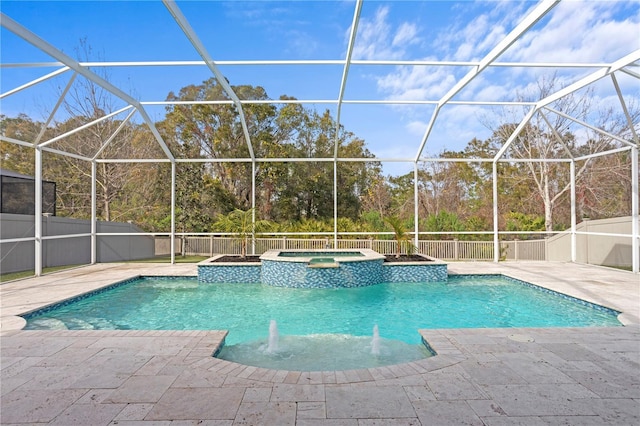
(209, 261)
(367, 255)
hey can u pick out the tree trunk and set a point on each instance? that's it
(548, 205)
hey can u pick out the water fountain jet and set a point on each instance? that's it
(273, 337)
(375, 342)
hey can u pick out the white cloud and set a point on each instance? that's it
(416, 83)
(474, 40)
(492, 92)
(416, 127)
(377, 40)
(405, 34)
(456, 126)
(467, 40)
(580, 31)
(574, 31)
(301, 44)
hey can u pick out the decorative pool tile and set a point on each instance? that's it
(330, 274)
(414, 273)
(221, 273)
(341, 274)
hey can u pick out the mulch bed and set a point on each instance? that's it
(390, 258)
(237, 259)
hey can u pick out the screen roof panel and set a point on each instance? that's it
(449, 55)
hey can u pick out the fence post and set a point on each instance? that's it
(131, 229)
(455, 249)
(46, 230)
(546, 249)
(515, 249)
(210, 245)
(284, 242)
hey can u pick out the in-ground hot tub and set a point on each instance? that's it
(322, 269)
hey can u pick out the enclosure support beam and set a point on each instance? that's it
(496, 240)
(38, 214)
(635, 232)
(49, 49)
(86, 126)
(173, 213)
(574, 246)
(345, 72)
(253, 207)
(106, 143)
(557, 135)
(415, 206)
(34, 82)
(182, 22)
(44, 127)
(515, 134)
(623, 104)
(589, 79)
(335, 204)
(589, 126)
(94, 195)
(529, 21)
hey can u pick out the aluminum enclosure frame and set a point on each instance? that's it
(629, 65)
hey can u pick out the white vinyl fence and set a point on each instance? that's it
(445, 250)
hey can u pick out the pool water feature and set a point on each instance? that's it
(322, 352)
(274, 337)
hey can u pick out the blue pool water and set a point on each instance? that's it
(330, 254)
(399, 309)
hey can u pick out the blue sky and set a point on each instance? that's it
(574, 31)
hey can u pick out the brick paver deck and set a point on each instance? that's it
(526, 376)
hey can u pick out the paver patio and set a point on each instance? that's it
(524, 376)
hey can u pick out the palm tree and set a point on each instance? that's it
(401, 236)
(240, 223)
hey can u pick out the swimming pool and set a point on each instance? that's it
(399, 309)
(321, 328)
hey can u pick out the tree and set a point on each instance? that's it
(443, 221)
(215, 132)
(400, 235)
(605, 190)
(517, 221)
(240, 223)
(402, 194)
(376, 197)
(547, 137)
(15, 157)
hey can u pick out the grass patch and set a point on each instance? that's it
(160, 259)
(28, 274)
(622, 268)
(167, 259)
